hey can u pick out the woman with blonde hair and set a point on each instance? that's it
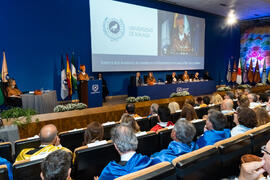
(94, 132)
(128, 120)
(173, 106)
(216, 99)
(262, 116)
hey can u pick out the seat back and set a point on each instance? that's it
(231, 151)
(199, 126)
(3, 172)
(201, 112)
(259, 137)
(89, 162)
(153, 121)
(164, 170)
(148, 143)
(6, 151)
(144, 124)
(107, 130)
(164, 136)
(72, 139)
(200, 164)
(175, 116)
(26, 143)
(27, 170)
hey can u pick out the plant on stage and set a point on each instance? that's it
(179, 94)
(70, 107)
(244, 86)
(146, 98)
(137, 99)
(227, 88)
(260, 84)
(17, 114)
(131, 100)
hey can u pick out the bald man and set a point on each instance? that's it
(49, 142)
(227, 107)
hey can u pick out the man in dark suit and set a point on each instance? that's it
(136, 80)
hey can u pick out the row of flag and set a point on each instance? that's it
(4, 77)
(69, 76)
(245, 75)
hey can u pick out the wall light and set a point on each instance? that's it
(231, 19)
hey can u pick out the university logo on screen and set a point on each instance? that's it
(114, 28)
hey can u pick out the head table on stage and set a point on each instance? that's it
(161, 91)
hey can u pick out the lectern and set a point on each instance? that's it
(83, 92)
(95, 93)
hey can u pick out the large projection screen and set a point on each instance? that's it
(127, 37)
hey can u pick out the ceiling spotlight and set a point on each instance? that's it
(231, 19)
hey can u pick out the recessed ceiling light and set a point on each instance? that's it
(231, 18)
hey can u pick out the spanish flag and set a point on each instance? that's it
(69, 78)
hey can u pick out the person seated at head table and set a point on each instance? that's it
(164, 119)
(182, 135)
(138, 79)
(196, 77)
(83, 76)
(214, 129)
(49, 142)
(185, 76)
(206, 76)
(128, 120)
(93, 133)
(151, 79)
(126, 143)
(13, 93)
(174, 77)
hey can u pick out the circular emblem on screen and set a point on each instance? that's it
(95, 87)
(113, 28)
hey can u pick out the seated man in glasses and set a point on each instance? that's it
(49, 141)
(254, 170)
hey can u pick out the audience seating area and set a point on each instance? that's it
(3, 172)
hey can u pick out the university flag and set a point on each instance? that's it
(234, 72)
(4, 72)
(257, 77)
(250, 72)
(245, 73)
(229, 74)
(264, 72)
(73, 73)
(239, 73)
(69, 83)
(64, 88)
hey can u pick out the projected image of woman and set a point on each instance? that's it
(180, 35)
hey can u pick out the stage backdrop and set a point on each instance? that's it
(35, 33)
(255, 46)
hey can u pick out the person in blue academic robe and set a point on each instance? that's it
(125, 142)
(9, 167)
(215, 129)
(136, 163)
(182, 135)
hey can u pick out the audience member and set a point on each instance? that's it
(13, 93)
(227, 106)
(262, 116)
(229, 95)
(198, 101)
(190, 101)
(153, 110)
(188, 112)
(182, 135)
(3, 161)
(243, 101)
(263, 97)
(56, 165)
(245, 119)
(49, 141)
(246, 92)
(205, 101)
(125, 143)
(93, 133)
(130, 121)
(151, 79)
(214, 129)
(130, 109)
(238, 93)
(216, 99)
(253, 170)
(174, 107)
(253, 100)
(164, 118)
